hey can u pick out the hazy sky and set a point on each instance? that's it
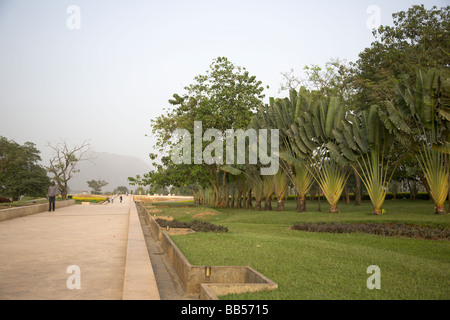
(103, 71)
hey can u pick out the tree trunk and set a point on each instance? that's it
(358, 187)
(439, 209)
(280, 205)
(318, 202)
(64, 191)
(412, 195)
(244, 200)
(239, 199)
(223, 204)
(258, 205)
(267, 205)
(333, 208)
(377, 212)
(215, 184)
(425, 184)
(232, 198)
(447, 163)
(347, 197)
(249, 199)
(301, 204)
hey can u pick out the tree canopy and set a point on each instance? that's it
(20, 171)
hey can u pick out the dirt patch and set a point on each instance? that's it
(154, 211)
(168, 218)
(203, 215)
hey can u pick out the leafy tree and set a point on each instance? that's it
(419, 38)
(97, 185)
(121, 190)
(225, 97)
(20, 172)
(335, 79)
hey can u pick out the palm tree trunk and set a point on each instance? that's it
(439, 209)
(318, 203)
(239, 199)
(267, 204)
(333, 208)
(377, 212)
(358, 187)
(301, 203)
(280, 204)
(249, 199)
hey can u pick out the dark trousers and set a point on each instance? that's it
(51, 203)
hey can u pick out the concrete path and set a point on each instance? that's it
(37, 250)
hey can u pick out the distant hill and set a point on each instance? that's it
(113, 168)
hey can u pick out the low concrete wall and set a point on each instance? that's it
(11, 213)
(208, 281)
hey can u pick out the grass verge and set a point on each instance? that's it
(309, 265)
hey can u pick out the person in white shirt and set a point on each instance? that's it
(53, 191)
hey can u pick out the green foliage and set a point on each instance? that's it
(20, 172)
(417, 39)
(225, 97)
(418, 118)
(97, 185)
(331, 178)
(121, 190)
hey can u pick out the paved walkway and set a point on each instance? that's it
(36, 250)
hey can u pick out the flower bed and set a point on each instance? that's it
(88, 199)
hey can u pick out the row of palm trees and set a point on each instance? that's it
(324, 142)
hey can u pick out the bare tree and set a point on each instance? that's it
(64, 162)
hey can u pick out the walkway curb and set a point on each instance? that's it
(139, 279)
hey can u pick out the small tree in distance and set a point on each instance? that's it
(97, 185)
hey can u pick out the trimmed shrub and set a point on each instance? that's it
(196, 225)
(382, 229)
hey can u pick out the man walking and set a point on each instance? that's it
(52, 193)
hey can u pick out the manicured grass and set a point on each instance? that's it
(323, 265)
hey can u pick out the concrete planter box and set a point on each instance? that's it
(11, 213)
(208, 281)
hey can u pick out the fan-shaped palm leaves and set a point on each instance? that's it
(300, 177)
(432, 163)
(330, 177)
(420, 118)
(280, 185)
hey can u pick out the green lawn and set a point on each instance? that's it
(323, 265)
